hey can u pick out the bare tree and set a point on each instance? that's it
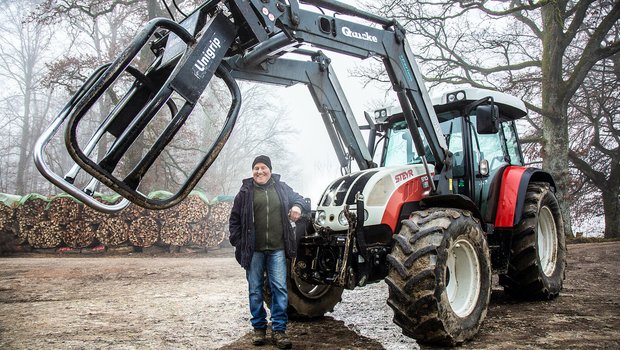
(595, 145)
(262, 128)
(541, 51)
(23, 51)
(101, 31)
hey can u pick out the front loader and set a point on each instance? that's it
(450, 203)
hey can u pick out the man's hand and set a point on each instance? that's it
(295, 213)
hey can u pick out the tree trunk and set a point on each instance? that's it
(611, 202)
(24, 151)
(555, 161)
(554, 106)
(611, 206)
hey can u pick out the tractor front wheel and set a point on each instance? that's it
(306, 300)
(440, 276)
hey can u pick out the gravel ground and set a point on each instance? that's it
(200, 302)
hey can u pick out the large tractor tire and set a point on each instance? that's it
(305, 300)
(440, 276)
(537, 263)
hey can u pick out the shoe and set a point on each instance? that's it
(258, 338)
(280, 340)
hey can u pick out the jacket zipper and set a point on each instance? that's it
(267, 233)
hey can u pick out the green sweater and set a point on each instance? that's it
(267, 217)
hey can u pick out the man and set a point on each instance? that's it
(263, 236)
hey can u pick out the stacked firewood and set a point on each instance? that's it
(8, 241)
(45, 234)
(64, 221)
(218, 223)
(197, 220)
(113, 231)
(64, 209)
(30, 213)
(6, 216)
(175, 231)
(183, 224)
(66, 212)
(144, 231)
(78, 234)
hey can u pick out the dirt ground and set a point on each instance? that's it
(199, 302)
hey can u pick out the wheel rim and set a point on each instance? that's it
(309, 290)
(547, 241)
(463, 278)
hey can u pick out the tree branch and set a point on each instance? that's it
(596, 53)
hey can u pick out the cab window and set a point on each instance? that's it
(512, 144)
(401, 150)
(487, 146)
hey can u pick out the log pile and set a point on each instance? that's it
(197, 214)
(63, 222)
(175, 231)
(8, 240)
(113, 231)
(218, 223)
(30, 212)
(6, 217)
(78, 234)
(63, 210)
(44, 234)
(144, 231)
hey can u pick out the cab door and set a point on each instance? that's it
(491, 153)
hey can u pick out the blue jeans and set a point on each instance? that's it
(274, 262)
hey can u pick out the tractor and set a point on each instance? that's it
(437, 258)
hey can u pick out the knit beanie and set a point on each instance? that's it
(262, 159)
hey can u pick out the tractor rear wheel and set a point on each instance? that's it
(440, 276)
(538, 252)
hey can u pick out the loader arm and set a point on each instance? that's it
(246, 39)
(327, 93)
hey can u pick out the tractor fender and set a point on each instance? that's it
(456, 201)
(512, 193)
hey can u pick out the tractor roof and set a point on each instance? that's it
(511, 107)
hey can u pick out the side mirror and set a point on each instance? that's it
(487, 119)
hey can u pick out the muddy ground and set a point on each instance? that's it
(199, 302)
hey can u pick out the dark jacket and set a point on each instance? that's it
(241, 222)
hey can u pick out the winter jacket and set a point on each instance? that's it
(241, 222)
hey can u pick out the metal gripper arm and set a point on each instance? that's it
(187, 74)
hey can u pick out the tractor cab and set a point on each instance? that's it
(480, 131)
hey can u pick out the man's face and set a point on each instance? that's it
(261, 173)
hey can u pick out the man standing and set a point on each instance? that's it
(263, 237)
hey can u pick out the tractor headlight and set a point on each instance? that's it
(342, 219)
(320, 217)
(455, 96)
